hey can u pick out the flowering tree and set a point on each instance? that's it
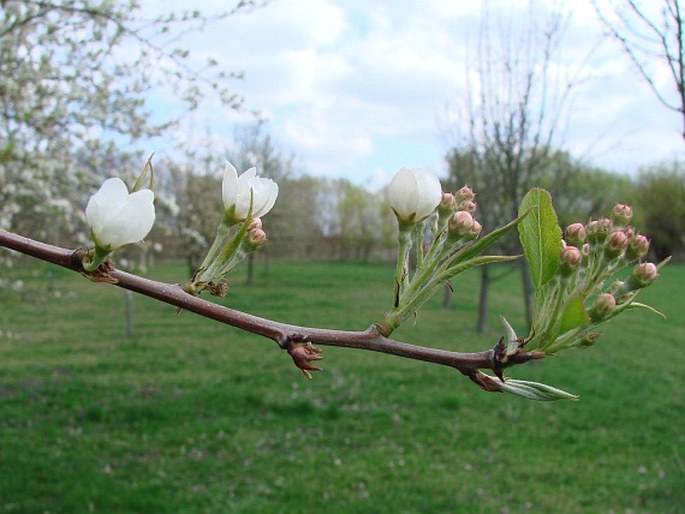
(74, 78)
(575, 288)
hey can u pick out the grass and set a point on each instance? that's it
(190, 416)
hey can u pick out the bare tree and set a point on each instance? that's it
(515, 105)
(652, 40)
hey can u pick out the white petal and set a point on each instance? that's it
(271, 194)
(242, 204)
(229, 185)
(429, 192)
(109, 200)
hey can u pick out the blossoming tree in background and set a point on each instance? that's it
(574, 275)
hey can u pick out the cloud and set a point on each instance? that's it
(358, 88)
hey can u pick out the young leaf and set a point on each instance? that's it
(540, 236)
(574, 315)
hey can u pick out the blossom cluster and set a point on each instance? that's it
(416, 197)
(591, 258)
(117, 217)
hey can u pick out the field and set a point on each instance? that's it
(190, 416)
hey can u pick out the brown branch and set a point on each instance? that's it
(293, 338)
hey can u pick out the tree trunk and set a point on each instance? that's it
(482, 322)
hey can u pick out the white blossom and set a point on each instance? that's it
(414, 193)
(117, 217)
(236, 191)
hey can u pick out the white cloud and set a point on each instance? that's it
(358, 87)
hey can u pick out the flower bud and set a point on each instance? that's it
(239, 191)
(642, 275)
(576, 234)
(589, 338)
(475, 231)
(638, 246)
(603, 307)
(465, 194)
(460, 225)
(117, 217)
(571, 258)
(621, 214)
(414, 194)
(448, 204)
(616, 244)
(255, 223)
(598, 230)
(468, 206)
(256, 238)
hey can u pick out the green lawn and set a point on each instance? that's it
(191, 416)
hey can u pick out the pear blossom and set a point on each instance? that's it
(117, 217)
(237, 190)
(414, 194)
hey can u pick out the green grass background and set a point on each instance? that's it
(191, 416)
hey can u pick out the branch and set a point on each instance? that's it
(295, 339)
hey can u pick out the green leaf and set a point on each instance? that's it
(534, 391)
(638, 305)
(574, 315)
(540, 236)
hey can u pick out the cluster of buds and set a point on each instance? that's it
(591, 255)
(461, 225)
(415, 195)
(247, 197)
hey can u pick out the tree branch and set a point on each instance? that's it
(293, 338)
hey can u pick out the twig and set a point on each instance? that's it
(297, 340)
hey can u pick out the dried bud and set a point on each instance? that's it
(460, 225)
(571, 258)
(638, 246)
(589, 338)
(599, 230)
(616, 244)
(621, 214)
(576, 234)
(465, 194)
(303, 354)
(642, 275)
(603, 307)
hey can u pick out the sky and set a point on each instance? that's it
(357, 89)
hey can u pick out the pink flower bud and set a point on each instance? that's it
(447, 205)
(468, 206)
(621, 214)
(256, 238)
(603, 307)
(598, 230)
(571, 257)
(616, 244)
(255, 223)
(576, 234)
(460, 225)
(475, 231)
(465, 194)
(642, 275)
(638, 246)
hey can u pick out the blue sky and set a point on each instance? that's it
(359, 88)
